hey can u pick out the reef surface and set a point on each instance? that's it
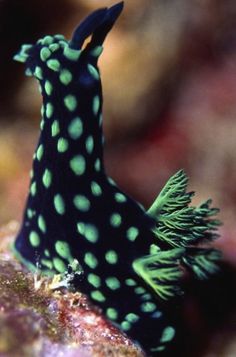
(40, 318)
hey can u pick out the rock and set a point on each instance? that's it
(38, 319)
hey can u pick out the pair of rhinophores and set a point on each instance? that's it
(77, 220)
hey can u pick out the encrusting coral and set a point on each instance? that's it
(78, 221)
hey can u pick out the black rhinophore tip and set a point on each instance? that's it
(87, 27)
(98, 24)
(114, 12)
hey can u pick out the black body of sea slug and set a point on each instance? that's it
(76, 218)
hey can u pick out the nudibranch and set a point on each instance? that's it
(77, 219)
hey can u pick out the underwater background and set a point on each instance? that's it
(169, 80)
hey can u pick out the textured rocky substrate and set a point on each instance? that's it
(38, 319)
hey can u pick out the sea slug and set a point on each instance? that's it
(76, 218)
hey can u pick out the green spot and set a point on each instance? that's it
(94, 280)
(113, 283)
(21, 57)
(132, 233)
(120, 198)
(42, 224)
(59, 204)
(47, 178)
(42, 110)
(47, 40)
(132, 318)
(59, 265)
(47, 253)
(63, 43)
(111, 257)
(49, 110)
(59, 36)
(33, 188)
(89, 231)
(115, 219)
(55, 128)
(81, 203)
(42, 124)
(38, 73)
(71, 54)
(78, 165)
(63, 250)
(93, 71)
(96, 189)
(25, 48)
(111, 181)
(98, 296)
(40, 89)
(81, 227)
(45, 53)
(65, 77)
(96, 104)
(148, 307)
(96, 52)
(62, 145)
(47, 263)
(75, 128)
(156, 315)
(48, 88)
(89, 144)
(30, 213)
(125, 326)
(112, 313)
(97, 165)
(34, 239)
(39, 152)
(139, 290)
(130, 282)
(167, 334)
(158, 349)
(70, 102)
(54, 47)
(100, 121)
(54, 65)
(146, 297)
(91, 260)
